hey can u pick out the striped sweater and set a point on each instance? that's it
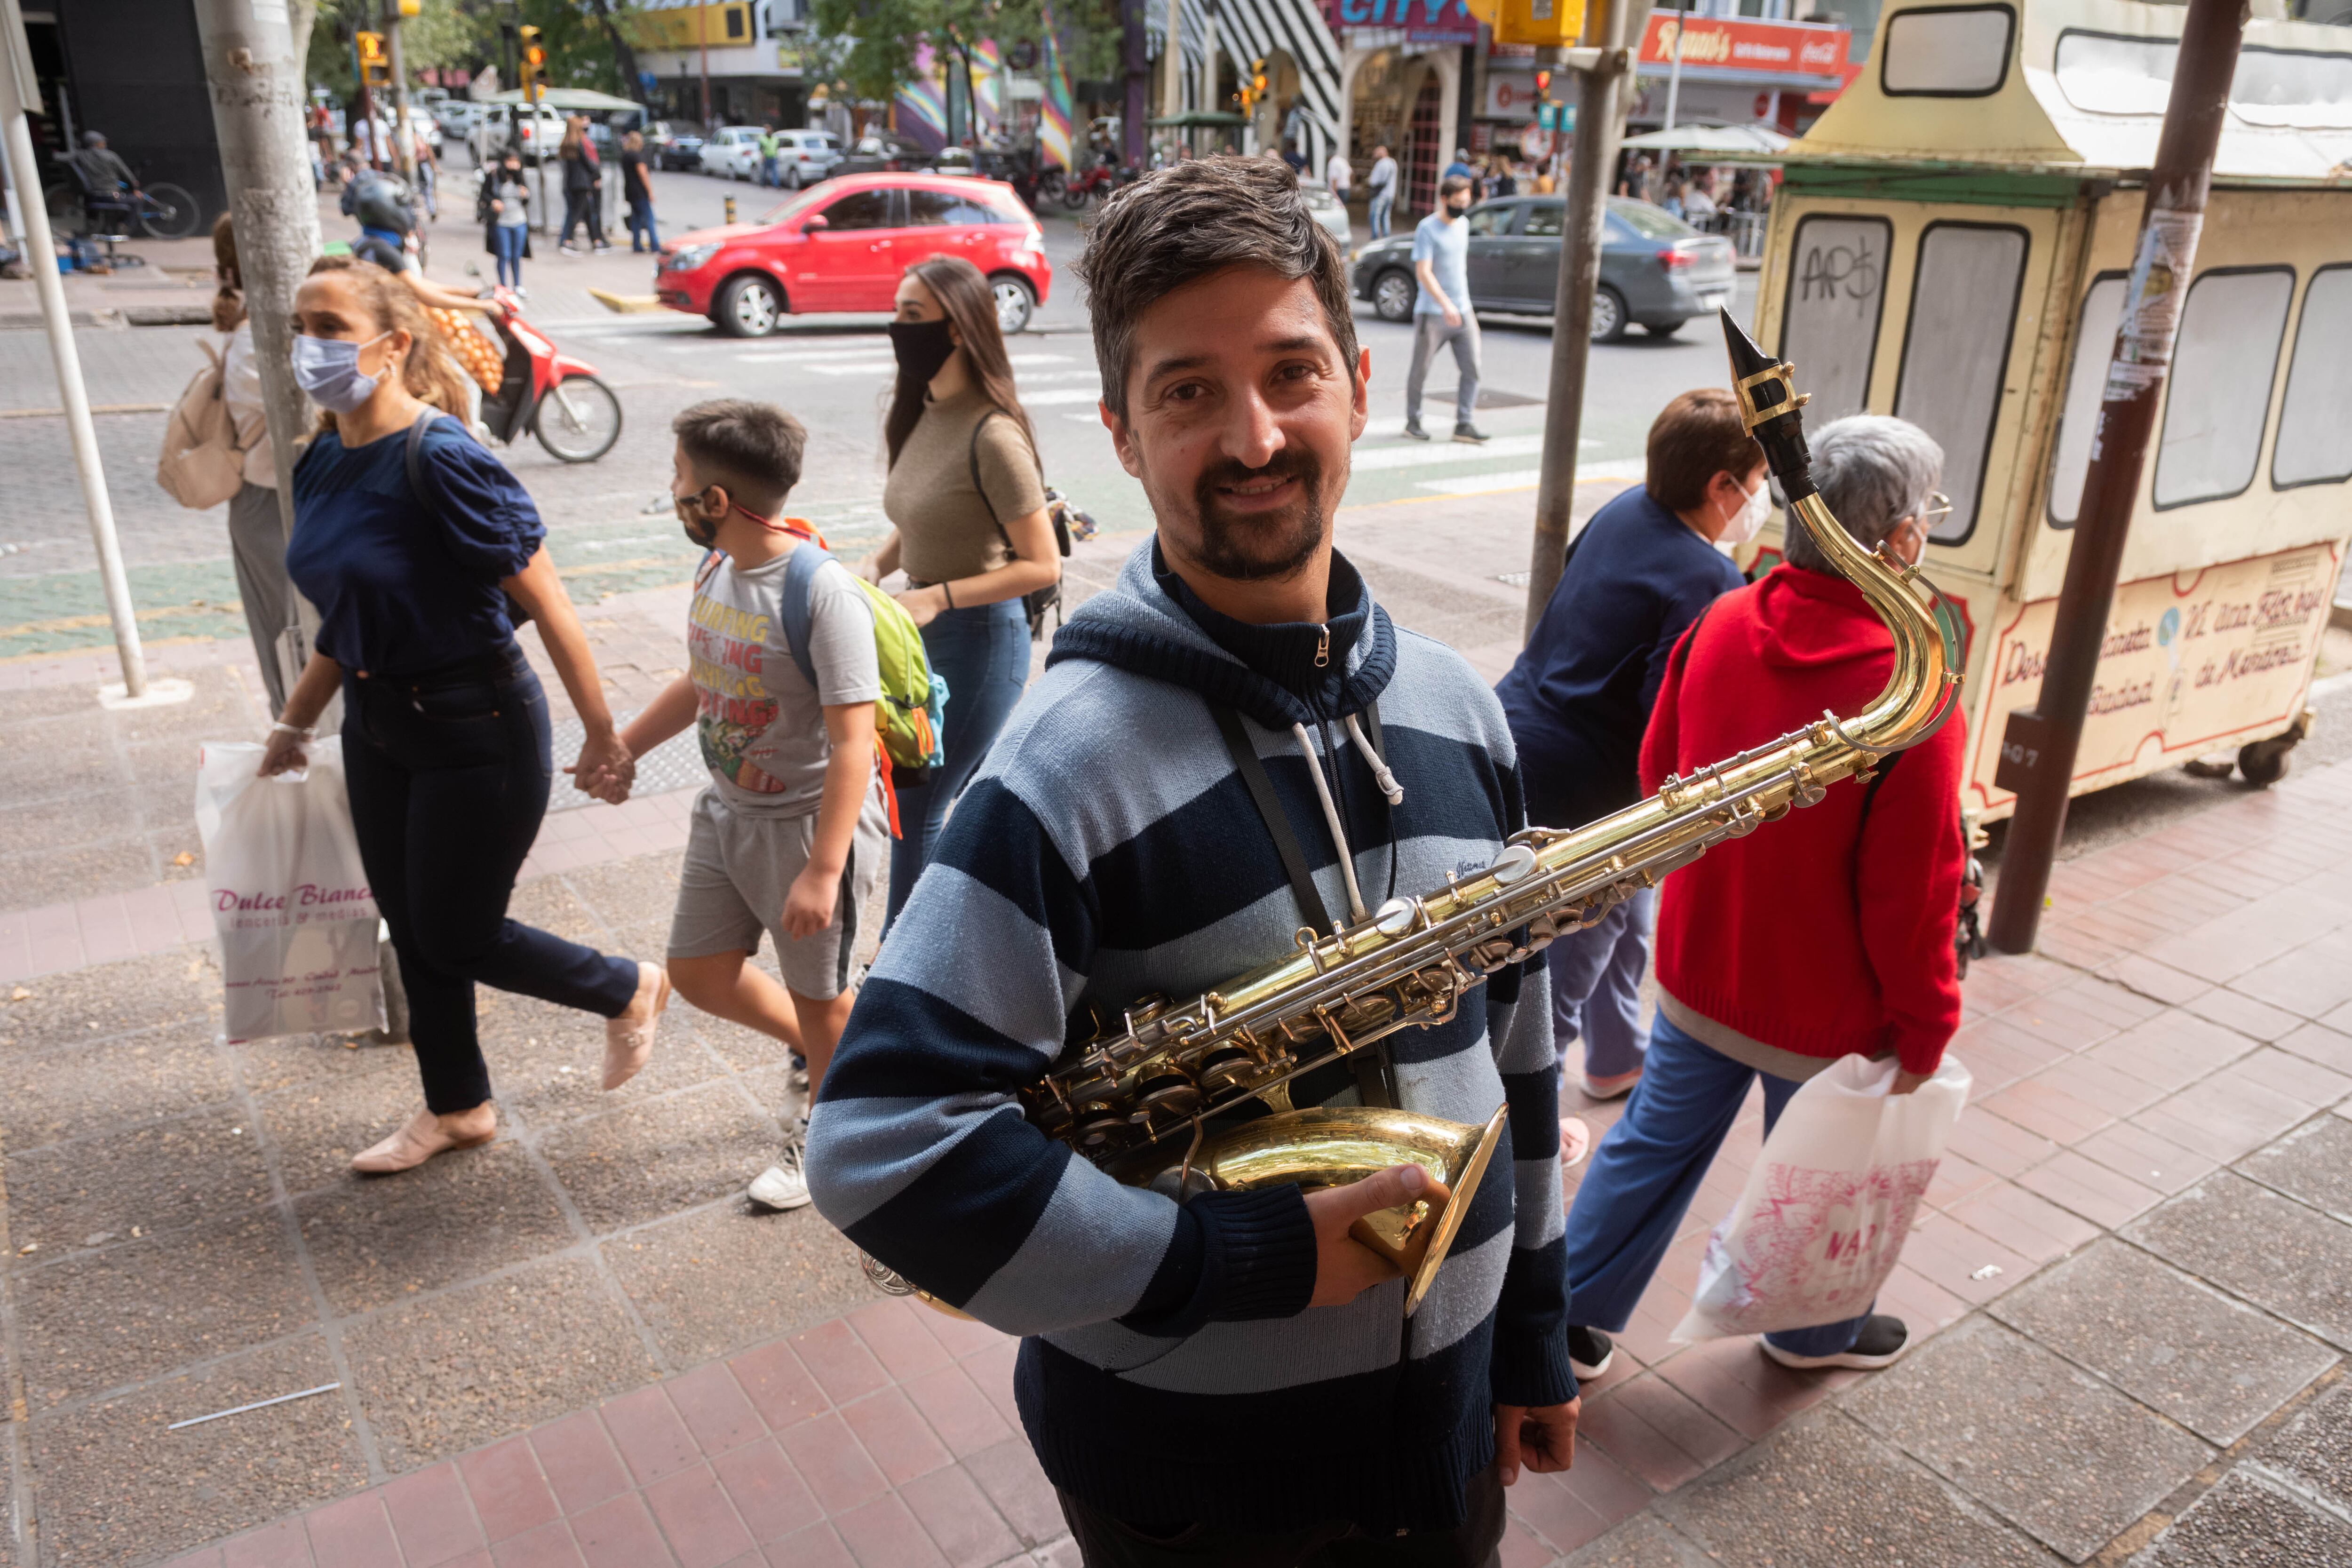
(1108, 849)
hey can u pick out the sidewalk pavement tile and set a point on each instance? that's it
(1955, 1258)
(2257, 1020)
(659, 1156)
(842, 1364)
(1998, 1145)
(958, 1410)
(1569, 1507)
(700, 1521)
(711, 1404)
(2073, 1181)
(1645, 1540)
(2226, 1115)
(318, 1126)
(582, 1467)
(2215, 1365)
(432, 1517)
(835, 1465)
(106, 1000)
(116, 1485)
(508, 1493)
(768, 1493)
(1824, 1492)
(2061, 1454)
(285, 1544)
(2169, 1052)
(957, 1515)
(2158, 981)
(2312, 980)
(2049, 1107)
(354, 1533)
(2145, 1156)
(450, 1371)
(818, 1546)
(549, 1546)
(373, 1241)
(778, 1385)
(2316, 1446)
(621, 1534)
(884, 1533)
(2319, 1043)
(160, 1177)
(711, 1281)
(2241, 1512)
(2222, 948)
(2039, 1229)
(2271, 1250)
(895, 1435)
(645, 1428)
(893, 1330)
(72, 1090)
(1957, 1178)
(1009, 1474)
(2314, 1163)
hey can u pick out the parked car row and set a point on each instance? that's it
(842, 245)
(1655, 269)
(803, 157)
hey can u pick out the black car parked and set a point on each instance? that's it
(675, 144)
(1655, 269)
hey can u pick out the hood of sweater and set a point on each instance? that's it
(1805, 620)
(1151, 624)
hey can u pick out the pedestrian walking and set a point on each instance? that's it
(428, 167)
(256, 529)
(1442, 316)
(1829, 934)
(1580, 695)
(503, 209)
(446, 737)
(768, 147)
(583, 177)
(788, 838)
(1461, 168)
(637, 191)
(1379, 192)
(968, 525)
(1339, 175)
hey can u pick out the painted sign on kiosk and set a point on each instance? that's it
(2191, 662)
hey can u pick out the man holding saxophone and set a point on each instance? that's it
(1234, 744)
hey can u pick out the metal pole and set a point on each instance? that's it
(1600, 125)
(1135, 107)
(702, 34)
(1674, 70)
(20, 96)
(2039, 747)
(403, 159)
(8, 178)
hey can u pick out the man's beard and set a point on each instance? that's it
(1267, 546)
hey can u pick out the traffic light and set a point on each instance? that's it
(1543, 86)
(412, 8)
(534, 61)
(375, 66)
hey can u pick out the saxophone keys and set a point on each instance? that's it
(1397, 917)
(1512, 865)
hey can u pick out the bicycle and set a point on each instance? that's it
(160, 211)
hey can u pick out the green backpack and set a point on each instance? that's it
(914, 698)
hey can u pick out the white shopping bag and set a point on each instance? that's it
(1829, 1202)
(289, 899)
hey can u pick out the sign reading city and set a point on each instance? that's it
(1423, 21)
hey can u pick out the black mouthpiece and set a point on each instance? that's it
(1768, 403)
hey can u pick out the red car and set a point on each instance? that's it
(842, 244)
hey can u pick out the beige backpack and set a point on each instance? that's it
(202, 464)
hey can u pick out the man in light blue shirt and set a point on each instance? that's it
(1442, 315)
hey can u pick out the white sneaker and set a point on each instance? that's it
(785, 1184)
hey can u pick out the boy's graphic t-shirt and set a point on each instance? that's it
(760, 724)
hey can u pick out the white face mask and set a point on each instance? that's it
(1749, 517)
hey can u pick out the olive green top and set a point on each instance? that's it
(945, 528)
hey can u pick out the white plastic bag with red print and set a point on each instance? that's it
(290, 898)
(1828, 1203)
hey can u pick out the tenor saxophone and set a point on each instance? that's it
(1139, 1096)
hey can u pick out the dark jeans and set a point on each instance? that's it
(983, 653)
(641, 227)
(510, 239)
(1476, 1543)
(448, 778)
(579, 205)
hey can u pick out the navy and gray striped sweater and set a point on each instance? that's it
(1108, 849)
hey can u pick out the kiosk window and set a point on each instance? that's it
(1829, 324)
(1947, 51)
(1963, 312)
(2315, 437)
(2095, 344)
(2218, 394)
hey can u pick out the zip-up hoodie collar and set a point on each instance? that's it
(1812, 620)
(1152, 624)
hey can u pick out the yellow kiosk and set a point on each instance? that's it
(1950, 244)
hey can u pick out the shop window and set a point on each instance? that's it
(1829, 324)
(2218, 393)
(1947, 51)
(2315, 435)
(1964, 297)
(2087, 380)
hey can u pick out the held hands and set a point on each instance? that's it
(1543, 1439)
(1344, 1267)
(808, 902)
(924, 605)
(606, 769)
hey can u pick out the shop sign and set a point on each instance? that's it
(1767, 49)
(1423, 21)
(2191, 660)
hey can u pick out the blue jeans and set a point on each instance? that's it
(1647, 1170)
(448, 776)
(510, 239)
(1377, 210)
(983, 652)
(1596, 987)
(768, 175)
(641, 223)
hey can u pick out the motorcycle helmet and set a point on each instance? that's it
(379, 200)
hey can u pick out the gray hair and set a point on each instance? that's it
(1874, 471)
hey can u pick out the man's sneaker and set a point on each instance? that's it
(1470, 435)
(604, 250)
(1880, 1340)
(1610, 1087)
(800, 1073)
(785, 1184)
(1590, 1351)
(1413, 429)
(567, 250)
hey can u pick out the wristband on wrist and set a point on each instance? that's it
(282, 728)
(948, 589)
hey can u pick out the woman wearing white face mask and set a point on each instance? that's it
(446, 737)
(1638, 575)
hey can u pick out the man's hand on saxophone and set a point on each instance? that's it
(1344, 1267)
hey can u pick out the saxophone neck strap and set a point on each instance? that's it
(1375, 1078)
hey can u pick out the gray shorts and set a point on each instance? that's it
(732, 886)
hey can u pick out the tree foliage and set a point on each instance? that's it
(873, 43)
(584, 47)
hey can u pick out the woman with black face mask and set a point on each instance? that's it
(970, 527)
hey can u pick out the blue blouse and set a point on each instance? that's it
(404, 584)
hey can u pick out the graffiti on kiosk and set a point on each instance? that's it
(2186, 662)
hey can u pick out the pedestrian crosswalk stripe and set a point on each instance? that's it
(1520, 478)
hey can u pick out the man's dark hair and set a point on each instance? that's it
(751, 449)
(1696, 437)
(1452, 185)
(1177, 225)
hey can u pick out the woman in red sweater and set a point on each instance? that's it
(1827, 932)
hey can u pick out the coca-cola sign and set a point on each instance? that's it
(1772, 49)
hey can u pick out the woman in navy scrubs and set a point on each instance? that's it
(446, 739)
